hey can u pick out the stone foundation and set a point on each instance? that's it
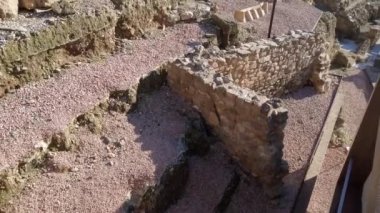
(274, 67)
(250, 125)
(222, 85)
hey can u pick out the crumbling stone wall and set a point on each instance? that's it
(250, 125)
(136, 16)
(273, 67)
(222, 85)
(139, 16)
(326, 26)
(351, 14)
(350, 21)
(37, 56)
(333, 5)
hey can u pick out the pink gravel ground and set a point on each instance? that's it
(209, 177)
(150, 140)
(357, 91)
(289, 15)
(307, 112)
(48, 106)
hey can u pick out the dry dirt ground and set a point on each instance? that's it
(100, 176)
(48, 106)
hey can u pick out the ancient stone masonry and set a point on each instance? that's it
(326, 26)
(273, 67)
(38, 55)
(222, 85)
(250, 125)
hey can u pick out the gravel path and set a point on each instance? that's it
(357, 91)
(290, 15)
(307, 113)
(140, 147)
(48, 106)
(209, 177)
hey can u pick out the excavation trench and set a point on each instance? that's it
(147, 155)
(51, 42)
(144, 148)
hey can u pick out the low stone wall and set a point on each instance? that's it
(222, 85)
(274, 67)
(38, 55)
(250, 125)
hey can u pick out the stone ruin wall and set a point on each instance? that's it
(250, 125)
(273, 67)
(38, 55)
(226, 87)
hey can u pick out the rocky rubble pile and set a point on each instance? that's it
(351, 15)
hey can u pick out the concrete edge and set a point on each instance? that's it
(319, 152)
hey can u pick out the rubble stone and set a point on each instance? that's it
(63, 7)
(344, 59)
(186, 15)
(326, 26)
(364, 47)
(231, 32)
(350, 21)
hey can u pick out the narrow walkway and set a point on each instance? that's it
(357, 91)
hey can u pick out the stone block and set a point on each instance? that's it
(8, 9)
(344, 59)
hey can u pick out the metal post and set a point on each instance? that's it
(271, 18)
